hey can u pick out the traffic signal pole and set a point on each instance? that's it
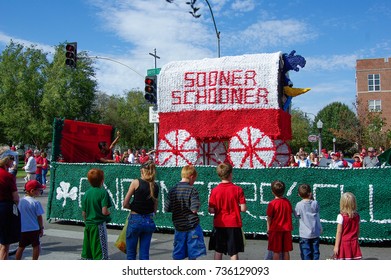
(155, 125)
(116, 61)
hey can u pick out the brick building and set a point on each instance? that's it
(373, 81)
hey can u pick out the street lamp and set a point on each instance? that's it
(217, 32)
(319, 125)
(334, 140)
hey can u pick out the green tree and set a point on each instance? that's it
(22, 77)
(370, 131)
(33, 92)
(341, 122)
(129, 114)
(301, 128)
(69, 92)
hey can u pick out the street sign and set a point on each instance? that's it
(313, 138)
(153, 115)
(153, 71)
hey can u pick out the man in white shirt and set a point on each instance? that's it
(131, 156)
(336, 161)
(371, 159)
(30, 166)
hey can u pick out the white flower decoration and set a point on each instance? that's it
(64, 192)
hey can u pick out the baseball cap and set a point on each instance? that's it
(371, 149)
(29, 151)
(33, 185)
(337, 154)
(5, 152)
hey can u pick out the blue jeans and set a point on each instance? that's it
(44, 173)
(309, 248)
(139, 231)
(189, 244)
(38, 177)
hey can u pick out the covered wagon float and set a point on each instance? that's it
(231, 109)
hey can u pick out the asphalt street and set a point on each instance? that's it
(63, 241)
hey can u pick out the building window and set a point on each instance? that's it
(374, 105)
(374, 82)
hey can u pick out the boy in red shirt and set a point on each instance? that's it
(226, 201)
(279, 223)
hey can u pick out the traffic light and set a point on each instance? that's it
(71, 54)
(151, 89)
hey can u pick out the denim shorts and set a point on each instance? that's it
(309, 248)
(189, 244)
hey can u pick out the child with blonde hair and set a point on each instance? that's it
(183, 202)
(348, 229)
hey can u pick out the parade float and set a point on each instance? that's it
(230, 109)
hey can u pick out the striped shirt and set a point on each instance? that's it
(182, 200)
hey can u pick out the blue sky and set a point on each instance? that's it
(331, 35)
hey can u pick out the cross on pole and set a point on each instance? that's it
(155, 56)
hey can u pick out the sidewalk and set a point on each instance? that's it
(63, 241)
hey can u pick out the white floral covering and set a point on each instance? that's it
(177, 148)
(227, 83)
(251, 148)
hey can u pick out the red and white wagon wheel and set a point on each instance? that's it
(212, 153)
(177, 148)
(283, 152)
(251, 148)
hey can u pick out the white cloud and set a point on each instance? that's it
(243, 5)
(167, 27)
(273, 33)
(5, 40)
(331, 63)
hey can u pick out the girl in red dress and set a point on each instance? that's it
(348, 229)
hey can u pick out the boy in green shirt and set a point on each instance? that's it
(96, 214)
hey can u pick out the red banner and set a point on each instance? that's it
(79, 142)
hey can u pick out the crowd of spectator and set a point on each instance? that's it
(134, 156)
(368, 157)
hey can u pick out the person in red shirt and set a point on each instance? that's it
(117, 156)
(39, 161)
(325, 154)
(226, 201)
(9, 198)
(279, 223)
(292, 161)
(45, 168)
(143, 157)
(357, 161)
(105, 154)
